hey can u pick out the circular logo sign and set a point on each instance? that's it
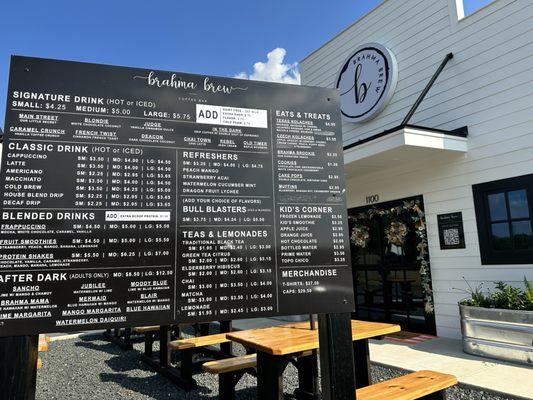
(367, 82)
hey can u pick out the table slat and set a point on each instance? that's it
(294, 338)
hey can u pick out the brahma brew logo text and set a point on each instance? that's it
(367, 82)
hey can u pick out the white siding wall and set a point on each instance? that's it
(488, 86)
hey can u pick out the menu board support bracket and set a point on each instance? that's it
(18, 367)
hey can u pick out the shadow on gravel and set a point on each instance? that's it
(123, 363)
(108, 348)
(155, 387)
(97, 342)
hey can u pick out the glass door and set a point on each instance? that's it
(386, 262)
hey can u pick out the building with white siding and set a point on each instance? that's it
(468, 149)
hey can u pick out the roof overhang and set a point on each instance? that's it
(402, 144)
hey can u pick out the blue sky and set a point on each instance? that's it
(473, 5)
(212, 37)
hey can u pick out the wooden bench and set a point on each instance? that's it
(193, 352)
(43, 343)
(189, 347)
(201, 341)
(231, 370)
(141, 330)
(43, 346)
(125, 337)
(152, 331)
(427, 385)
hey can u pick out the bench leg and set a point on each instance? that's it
(270, 376)
(149, 344)
(226, 386)
(181, 376)
(115, 336)
(128, 345)
(307, 377)
(435, 396)
(203, 329)
(175, 333)
(362, 364)
(186, 365)
(226, 349)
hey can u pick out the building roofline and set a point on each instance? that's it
(344, 30)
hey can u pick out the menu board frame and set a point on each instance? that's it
(134, 197)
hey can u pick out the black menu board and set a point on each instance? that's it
(133, 197)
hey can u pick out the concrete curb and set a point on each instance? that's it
(67, 336)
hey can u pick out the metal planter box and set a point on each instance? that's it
(501, 334)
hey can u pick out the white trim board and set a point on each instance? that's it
(400, 142)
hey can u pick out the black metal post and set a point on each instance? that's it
(314, 362)
(336, 356)
(18, 367)
(164, 350)
(226, 386)
(420, 98)
(270, 376)
(362, 364)
(312, 322)
(226, 349)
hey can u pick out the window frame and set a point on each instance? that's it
(490, 256)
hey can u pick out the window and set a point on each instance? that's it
(471, 6)
(504, 212)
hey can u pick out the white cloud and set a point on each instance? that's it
(274, 70)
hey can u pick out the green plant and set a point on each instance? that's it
(529, 289)
(477, 297)
(509, 297)
(505, 296)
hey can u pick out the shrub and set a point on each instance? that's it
(506, 297)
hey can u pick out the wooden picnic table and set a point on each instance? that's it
(182, 373)
(276, 346)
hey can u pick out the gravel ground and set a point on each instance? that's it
(90, 368)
